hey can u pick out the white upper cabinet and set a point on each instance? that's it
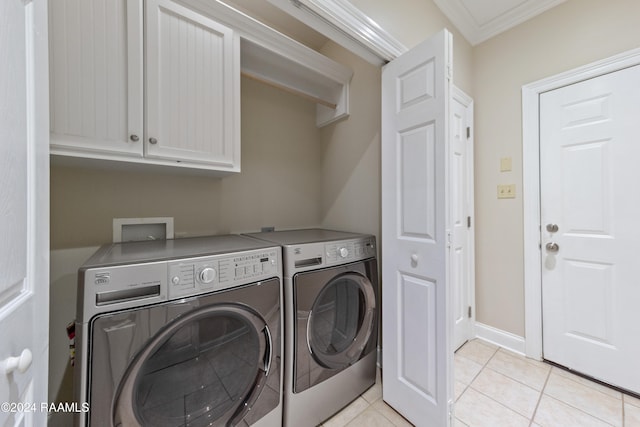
(191, 83)
(96, 76)
(157, 82)
(192, 86)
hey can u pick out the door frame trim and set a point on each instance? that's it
(531, 183)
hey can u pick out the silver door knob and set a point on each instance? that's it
(552, 247)
(134, 138)
(552, 228)
(153, 141)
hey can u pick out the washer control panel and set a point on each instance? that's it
(193, 276)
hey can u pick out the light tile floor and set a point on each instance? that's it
(495, 387)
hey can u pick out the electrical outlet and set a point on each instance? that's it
(507, 191)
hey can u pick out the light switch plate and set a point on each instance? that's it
(505, 164)
(507, 191)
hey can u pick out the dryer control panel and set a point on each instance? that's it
(193, 276)
(349, 250)
(314, 255)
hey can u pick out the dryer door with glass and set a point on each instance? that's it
(336, 322)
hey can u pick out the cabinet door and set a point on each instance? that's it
(193, 88)
(96, 77)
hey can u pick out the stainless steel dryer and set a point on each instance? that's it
(180, 332)
(331, 320)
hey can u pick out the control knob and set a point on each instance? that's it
(343, 252)
(207, 275)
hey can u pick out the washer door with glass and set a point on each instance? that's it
(214, 363)
(336, 322)
(206, 368)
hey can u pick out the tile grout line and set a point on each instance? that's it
(500, 403)
(533, 416)
(485, 366)
(384, 416)
(592, 390)
(590, 384)
(517, 380)
(580, 410)
(485, 395)
(466, 387)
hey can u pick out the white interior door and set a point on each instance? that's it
(417, 319)
(24, 212)
(589, 191)
(461, 198)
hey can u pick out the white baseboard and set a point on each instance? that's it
(500, 338)
(504, 339)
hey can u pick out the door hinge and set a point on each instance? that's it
(468, 132)
(469, 312)
(468, 222)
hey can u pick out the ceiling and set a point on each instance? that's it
(477, 20)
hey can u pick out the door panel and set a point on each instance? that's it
(461, 196)
(418, 321)
(418, 334)
(416, 182)
(588, 152)
(24, 212)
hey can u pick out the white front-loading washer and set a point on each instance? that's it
(183, 332)
(331, 320)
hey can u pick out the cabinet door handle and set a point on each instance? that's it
(134, 138)
(153, 141)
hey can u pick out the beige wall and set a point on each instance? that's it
(350, 158)
(279, 184)
(573, 34)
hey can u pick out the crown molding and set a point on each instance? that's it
(476, 32)
(346, 25)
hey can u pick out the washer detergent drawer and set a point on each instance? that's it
(207, 360)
